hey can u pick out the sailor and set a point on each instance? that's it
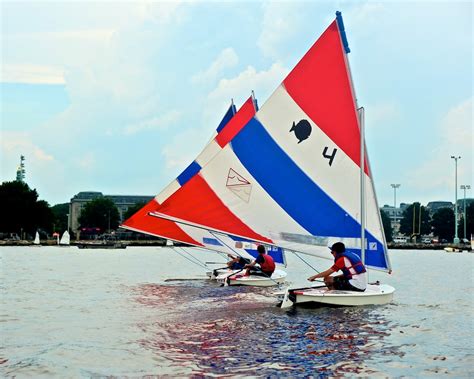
(353, 278)
(267, 265)
(236, 262)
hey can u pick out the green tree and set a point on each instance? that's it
(100, 213)
(387, 226)
(469, 222)
(22, 212)
(133, 209)
(421, 217)
(443, 224)
(60, 212)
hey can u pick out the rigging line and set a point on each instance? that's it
(294, 252)
(210, 231)
(177, 252)
(193, 257)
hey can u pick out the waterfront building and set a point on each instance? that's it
(395, 214)
(434, 206)
(123, 202)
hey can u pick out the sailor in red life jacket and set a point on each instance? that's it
(267, 265)
(353, 278)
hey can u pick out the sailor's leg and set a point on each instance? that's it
(329, 281)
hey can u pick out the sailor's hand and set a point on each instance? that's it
(311, 278)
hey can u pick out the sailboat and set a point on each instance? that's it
(36, 241)
(221, 243)
(65, 239)
(293, 174)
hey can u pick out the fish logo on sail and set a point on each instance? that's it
(239, 185)
(302, 130)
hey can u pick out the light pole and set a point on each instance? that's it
(395, 186)
(465, 187)
(456, 239)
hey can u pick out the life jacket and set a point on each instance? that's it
(356, 264)
(240, 264)
(268, 265)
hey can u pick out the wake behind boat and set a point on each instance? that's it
(238, 278)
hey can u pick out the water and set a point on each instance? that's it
(72, 313)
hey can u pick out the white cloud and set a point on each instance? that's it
(363, 16)
(155, 123)
(33, 74)
(86, 161)
(380, 113)
(184, 147)
(456, 127)
(454, 137)
(181, 150)
(281, 22)
(226, 59)
(14, 144)
(262, 82)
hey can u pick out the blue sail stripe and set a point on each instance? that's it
(188, 173)
(211, 241)
(308, 204)
(229, 114)
(275, 252)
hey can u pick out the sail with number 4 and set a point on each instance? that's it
(290, 176)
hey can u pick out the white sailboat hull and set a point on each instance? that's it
(375, 294)
(237, 278)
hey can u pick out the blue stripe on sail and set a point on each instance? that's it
(342, 32)
(190, 171)
(211, 241)
(295, 192)
(229, 114)
(275, 252)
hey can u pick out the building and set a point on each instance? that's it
(434, 206)
(395, 215)
(123, 202)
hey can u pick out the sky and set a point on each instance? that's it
(119, 97)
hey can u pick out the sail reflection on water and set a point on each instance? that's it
(240, 334)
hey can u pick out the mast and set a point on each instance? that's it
(362, 184)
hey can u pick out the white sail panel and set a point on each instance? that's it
(332, 173)
(255, 207)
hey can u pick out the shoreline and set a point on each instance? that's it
(145, 243)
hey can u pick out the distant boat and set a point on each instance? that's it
(65, 239)
(104, 243)
(453, 249)
(36, 241)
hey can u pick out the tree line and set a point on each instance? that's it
(417, 221)
(23, 214)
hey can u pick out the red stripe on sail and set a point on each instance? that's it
(240, 119)
(196, 202)
(320, 84)
(159, 227)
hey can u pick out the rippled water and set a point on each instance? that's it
(67, 312)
